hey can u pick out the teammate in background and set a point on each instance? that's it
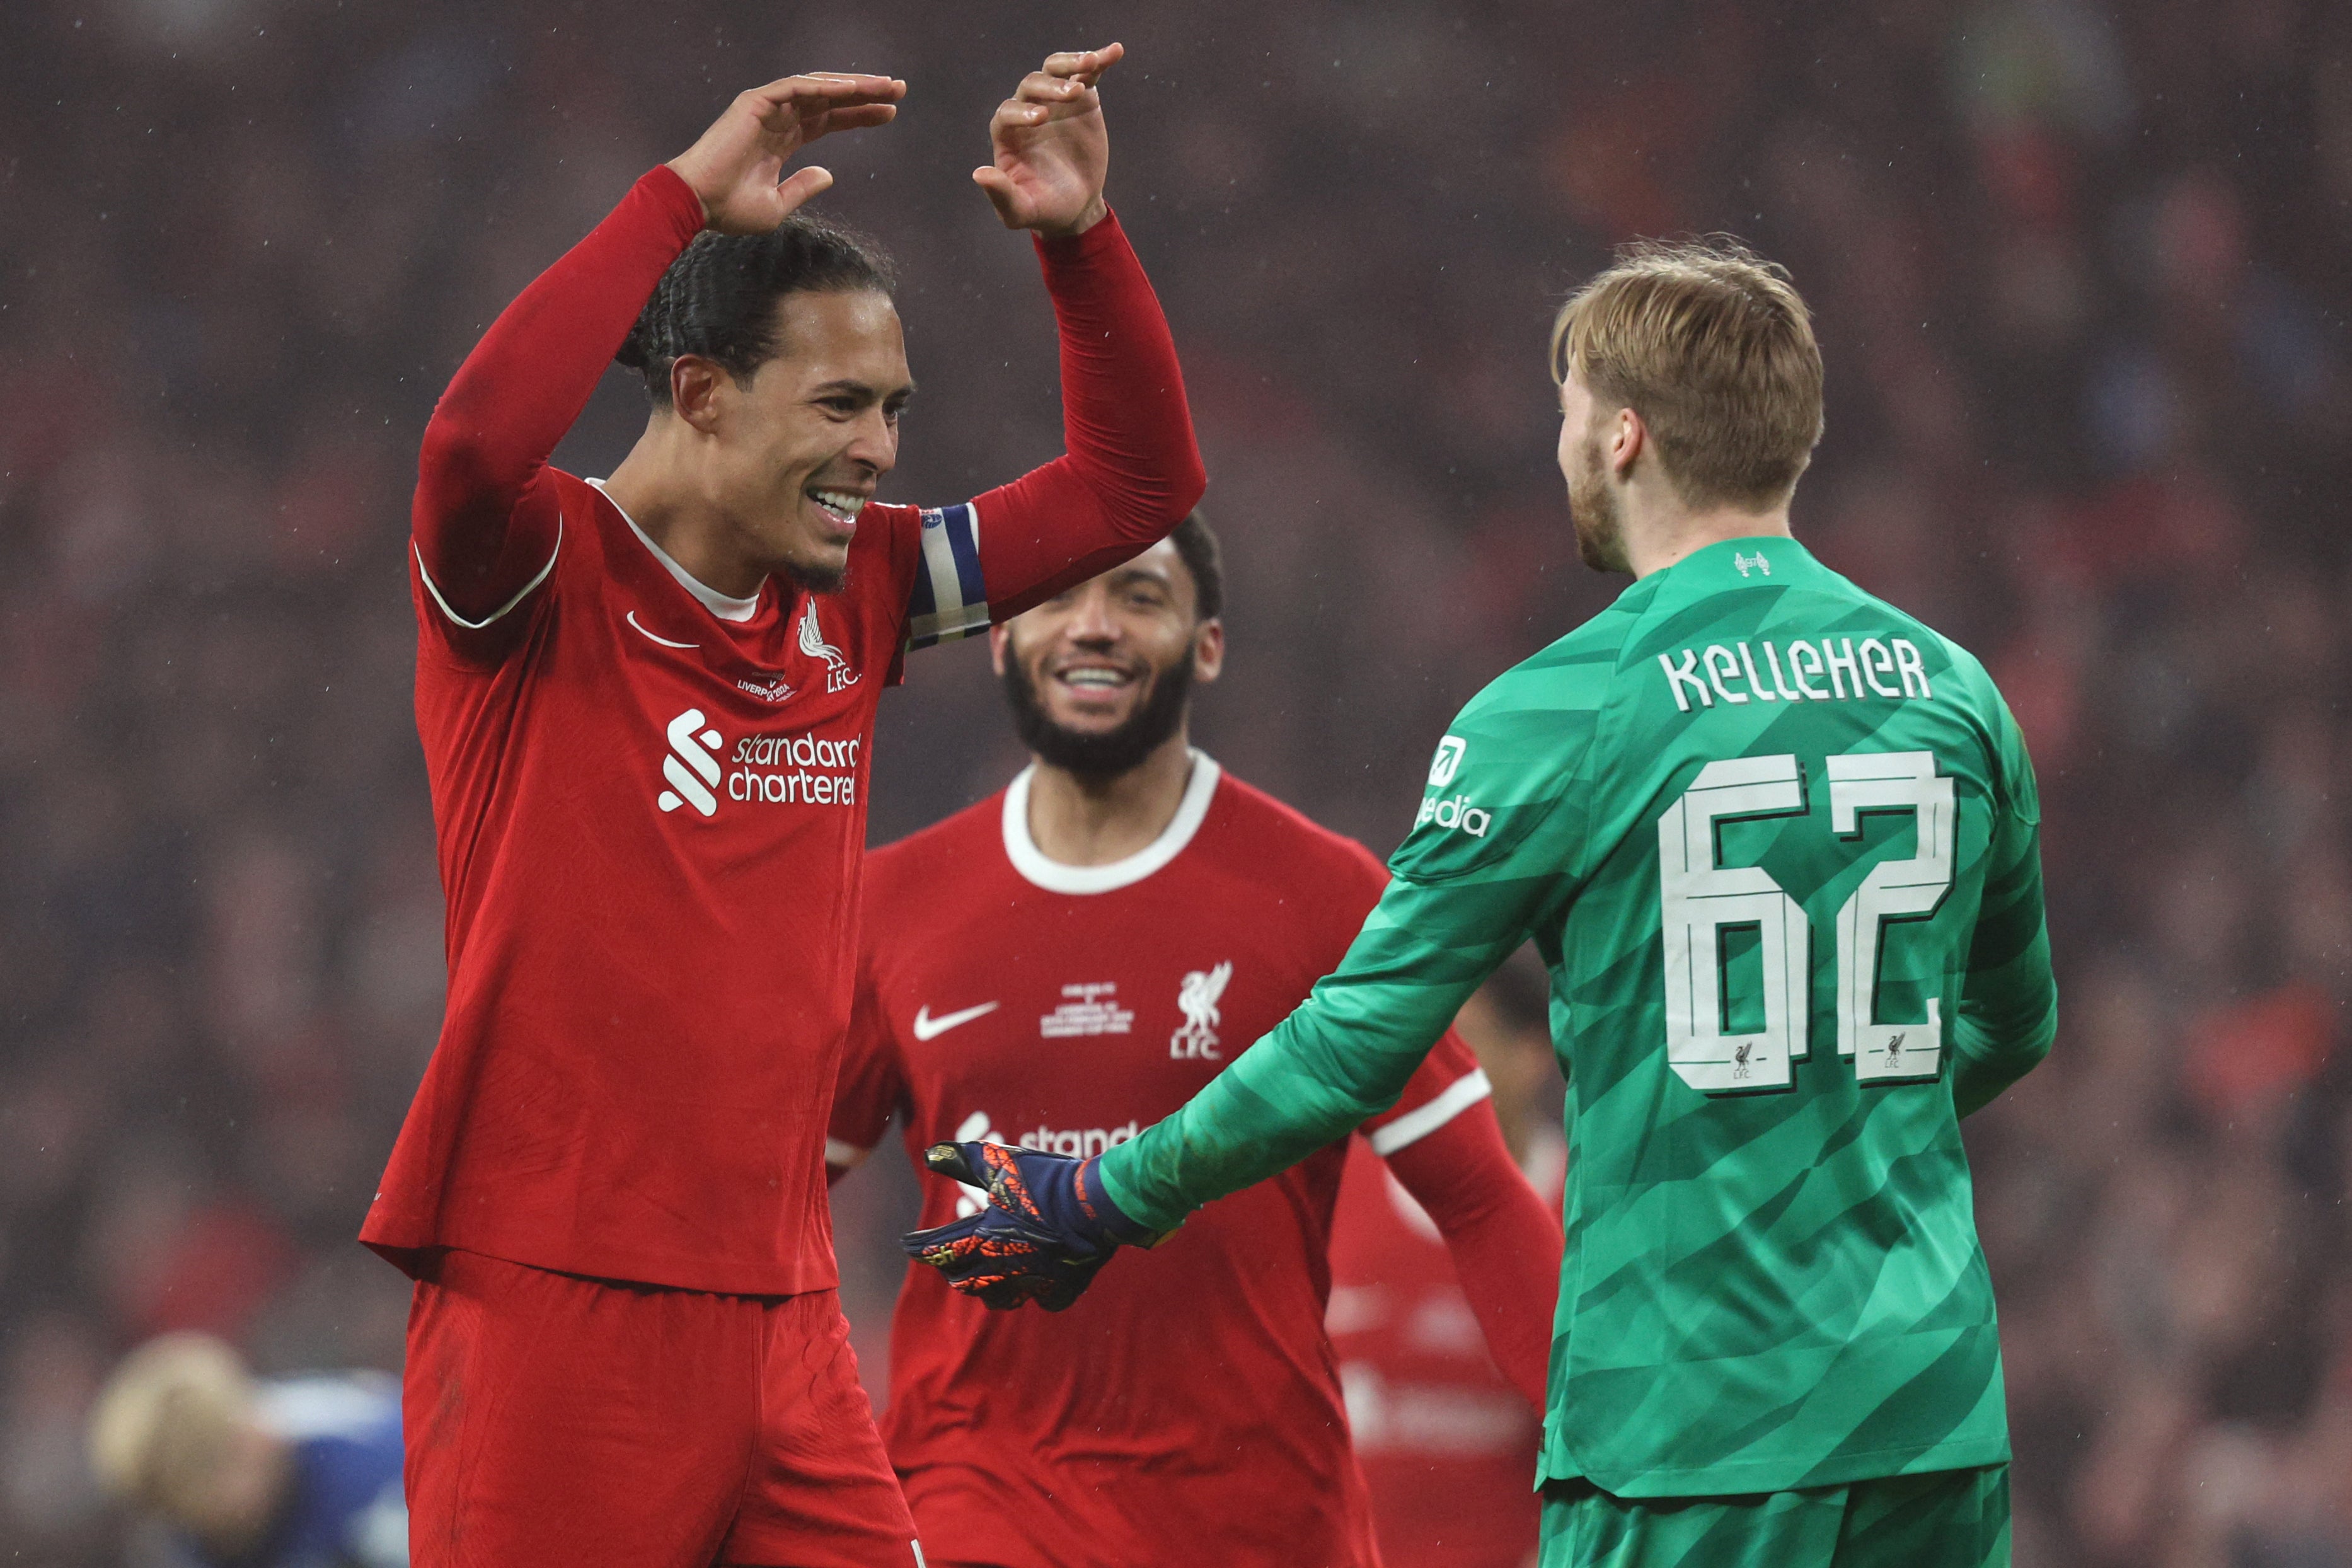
(1446, 1442)
(1059, 966)
(295, 1473)
(646, 707)
(1778, 843)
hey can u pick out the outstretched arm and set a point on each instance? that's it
(1131, 467)
(484, 520)
(1505, 1243)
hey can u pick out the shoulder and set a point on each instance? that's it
(927, 865)
(1272, 837)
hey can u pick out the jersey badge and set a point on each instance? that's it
(929, 1028)
(1755, 563)
(772, 689)
(1197, 995)
(838, 676)
(692, 766)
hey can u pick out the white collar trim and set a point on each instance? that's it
(721, 605)
(1056, 877)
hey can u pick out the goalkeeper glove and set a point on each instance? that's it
(1047, 1228)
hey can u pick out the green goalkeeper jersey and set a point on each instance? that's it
(1775, 841)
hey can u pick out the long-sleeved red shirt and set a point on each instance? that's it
(652, 819)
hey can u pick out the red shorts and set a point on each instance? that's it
(560, 1420)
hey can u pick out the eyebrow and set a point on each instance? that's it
(861, 389)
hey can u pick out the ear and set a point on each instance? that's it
(999, 644)
(1208, 650)
(695, 389)
(1628, 439)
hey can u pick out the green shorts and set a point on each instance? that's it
(1947, 1519)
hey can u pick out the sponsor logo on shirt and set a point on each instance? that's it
(1196, 1037)
(1830, 669)
(688, 751)
(1455, 813)
(1448, 761)
(775, 770)
(838, 676)
(1086, 1010)
(929, 1028)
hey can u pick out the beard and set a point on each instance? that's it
(1110, 753)
(1594, 511)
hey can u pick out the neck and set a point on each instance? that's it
(656, 488)
(1658, 536)
(1083, 821)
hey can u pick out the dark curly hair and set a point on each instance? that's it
(717, 300)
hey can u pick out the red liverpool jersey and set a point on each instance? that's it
(1448, 1446)
(650, 801)
(1188, 1409)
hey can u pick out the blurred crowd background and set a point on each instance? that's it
(2080, 275)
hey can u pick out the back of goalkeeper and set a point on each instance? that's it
(1778, 843)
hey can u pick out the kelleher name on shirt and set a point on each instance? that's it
(1834, 669)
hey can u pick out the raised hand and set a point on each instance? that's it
(1052, 152)
(737, 165)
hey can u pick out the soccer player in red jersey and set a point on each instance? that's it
(646, 707)
(1446, 1441)
(1058, 967)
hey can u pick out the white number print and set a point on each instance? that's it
(1697, 899)
(1895, 889)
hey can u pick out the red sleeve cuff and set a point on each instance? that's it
(679, 203)
(1105, 238)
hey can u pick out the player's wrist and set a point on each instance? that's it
(1112, 1223)
(1091, 214)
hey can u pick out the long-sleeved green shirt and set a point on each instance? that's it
(1778, 843)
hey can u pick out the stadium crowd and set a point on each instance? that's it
(2077, 272)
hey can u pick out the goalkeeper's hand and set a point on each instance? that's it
(1047, 1228)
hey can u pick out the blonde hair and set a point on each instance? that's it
(166, 1419)
(1714, 348)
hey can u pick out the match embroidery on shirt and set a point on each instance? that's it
(1088, 1010)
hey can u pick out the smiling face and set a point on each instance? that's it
(798, 447)
(1098, 676)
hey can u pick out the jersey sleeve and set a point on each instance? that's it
(1448, 1082)
(1505, 1243)
(1130, 471)
(486, 524)
(870, 1086)
(2009, 1000)
(1495, 843)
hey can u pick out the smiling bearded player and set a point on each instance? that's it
(647, 709)
(1065, 962)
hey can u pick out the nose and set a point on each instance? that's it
(1091, 621)
(874, 442)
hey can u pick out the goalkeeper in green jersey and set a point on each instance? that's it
(1775, 841)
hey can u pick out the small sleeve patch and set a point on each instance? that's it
(949, 598)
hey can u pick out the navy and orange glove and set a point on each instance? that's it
(1047, 1228)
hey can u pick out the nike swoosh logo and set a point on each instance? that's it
(929, 1028)
(664, 641)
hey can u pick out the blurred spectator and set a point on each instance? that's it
(299, 1473)
(2079, 274)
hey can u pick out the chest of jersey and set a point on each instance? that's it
(1072, 1023)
